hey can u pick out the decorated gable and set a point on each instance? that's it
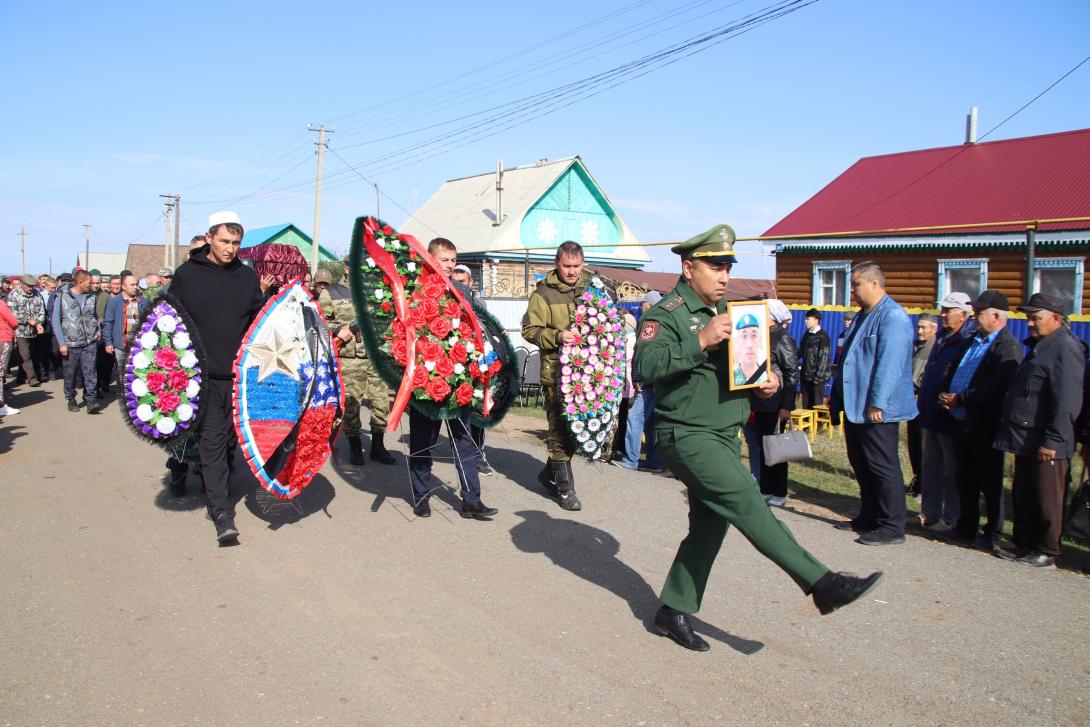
(573, 209)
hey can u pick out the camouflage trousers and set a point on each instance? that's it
(558, 442)
(363, 384)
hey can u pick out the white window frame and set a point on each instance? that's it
(844, 266)
(1056, 263)
(960, 263)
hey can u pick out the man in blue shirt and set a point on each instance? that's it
(974, 399)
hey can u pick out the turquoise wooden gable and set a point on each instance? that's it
(573, 209)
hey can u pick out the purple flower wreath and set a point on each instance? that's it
(592, 370)
(163, 375)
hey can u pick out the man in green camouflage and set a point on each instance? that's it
(361, 382)
(546, 325)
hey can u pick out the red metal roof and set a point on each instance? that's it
(1029, 178)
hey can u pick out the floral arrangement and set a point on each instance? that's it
(163, 374)
(592, 370)
(438, 349)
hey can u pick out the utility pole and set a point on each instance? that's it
(87, 247)
(176, 252)
(22, 247)
(378, 206)
(321, 143)
(170, 239)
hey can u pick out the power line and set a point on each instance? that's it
(393, 201)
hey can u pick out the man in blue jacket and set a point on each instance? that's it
(873, 387)
(119, 325)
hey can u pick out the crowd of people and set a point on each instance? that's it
(967, 390)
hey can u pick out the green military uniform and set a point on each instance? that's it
(548, 313)
(697, 423)
(361, 382)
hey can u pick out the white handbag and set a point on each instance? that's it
(787, 446)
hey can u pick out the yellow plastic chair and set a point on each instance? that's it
(803, 420)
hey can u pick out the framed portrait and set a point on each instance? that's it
(748, 351)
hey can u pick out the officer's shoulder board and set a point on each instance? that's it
(673, 303)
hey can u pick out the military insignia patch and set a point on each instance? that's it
(649, 331)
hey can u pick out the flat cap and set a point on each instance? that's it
(323, 276)
(1043, 301)
(166, 272)
(715, 246)
(991, 299)
(29, 280)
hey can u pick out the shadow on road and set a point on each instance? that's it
(8, 435)
(591, 554)
(266, 506)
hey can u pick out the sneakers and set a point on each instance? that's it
(836, 590)
(620, 463)
(877, 537)
(72, 405)
(484, 469)
(422, 508)
(225, 528)
(774, 501)
(8, 411)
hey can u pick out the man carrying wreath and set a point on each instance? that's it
(681, 350)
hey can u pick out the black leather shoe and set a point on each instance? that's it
(378, 451)
(1037, 560)
(1011, 554)
(675, 625)
(877, 537)
(839, 589)
(480, 511)
(178, 477)
(422, 508)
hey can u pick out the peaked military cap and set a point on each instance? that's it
(715, 246)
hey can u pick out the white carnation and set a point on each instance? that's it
(459, 369)
(469, 346)
(192, 389)
(144, 413)
(181, 340)
(429, 365)
(455, 322)
(370, 262)
(188, 360)
(149, 340)
(167, 324)
(379, 294)
(166, 425)
(139, 388)
(185, 412)
(411, 267)
(478, 393)
(140, 361)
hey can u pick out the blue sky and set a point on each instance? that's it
(109, 105)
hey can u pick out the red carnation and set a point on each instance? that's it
(440, 326)
(412, 254)
(385, 306)
(463, 394)
(430, 307)
(473, 370)
(167, 402)
(179, 380)
(444, 367)
(398, 329)
(387, 230)
(156, 381)
(165, 358)
(420, 376)
(399, 351)
(386, 281)
(438, 389)
(458, 353)
(495, 368)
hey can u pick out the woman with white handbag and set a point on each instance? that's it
(769, 414)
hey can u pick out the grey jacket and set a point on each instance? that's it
(74, 321)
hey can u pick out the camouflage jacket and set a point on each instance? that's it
(26, 308)
(336, 304)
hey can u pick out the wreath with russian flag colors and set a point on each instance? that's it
(592, 369)
(439, 350)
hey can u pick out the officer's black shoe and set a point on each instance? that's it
(839, 589)
(480, 511)
(545, 478)
(675, 625)
(72, 405)
(378, 450)
(565, 486)
(225, 528)
(355, 450)
(1011, 553)
(422, 508)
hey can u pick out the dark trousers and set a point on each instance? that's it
(104, 365)
(979, 471)
(773, 478)
(1038, 493)
(872, 452)
(26, 347)
(79, 369)
(813, 393)
(42, 352)
(915, 445)
(216, 446)
(423, 436)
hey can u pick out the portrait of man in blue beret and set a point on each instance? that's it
(749, 344)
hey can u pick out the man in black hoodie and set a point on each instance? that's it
(222, 296)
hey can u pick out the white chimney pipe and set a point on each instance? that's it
(499, 193)
(970, 126)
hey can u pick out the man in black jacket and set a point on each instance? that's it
(1038, 426)
(815, 351)
(974, 399)
(222, 296)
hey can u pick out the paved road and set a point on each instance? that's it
(340, 609)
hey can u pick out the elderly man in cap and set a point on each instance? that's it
(873, 388)
(640, 422)
(681, 351)
(927, 326)
(1037, 425)
(974, 398)
(27, 307)
(939, 504)
(222, 296)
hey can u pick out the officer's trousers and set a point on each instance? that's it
(721, 494)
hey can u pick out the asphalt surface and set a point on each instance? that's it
(339, 608)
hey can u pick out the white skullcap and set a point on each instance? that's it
(224, 217)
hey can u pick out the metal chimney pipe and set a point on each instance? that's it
(499, 193)
(970, 126)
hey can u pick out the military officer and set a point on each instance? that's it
(681, 350)
(361, 382)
